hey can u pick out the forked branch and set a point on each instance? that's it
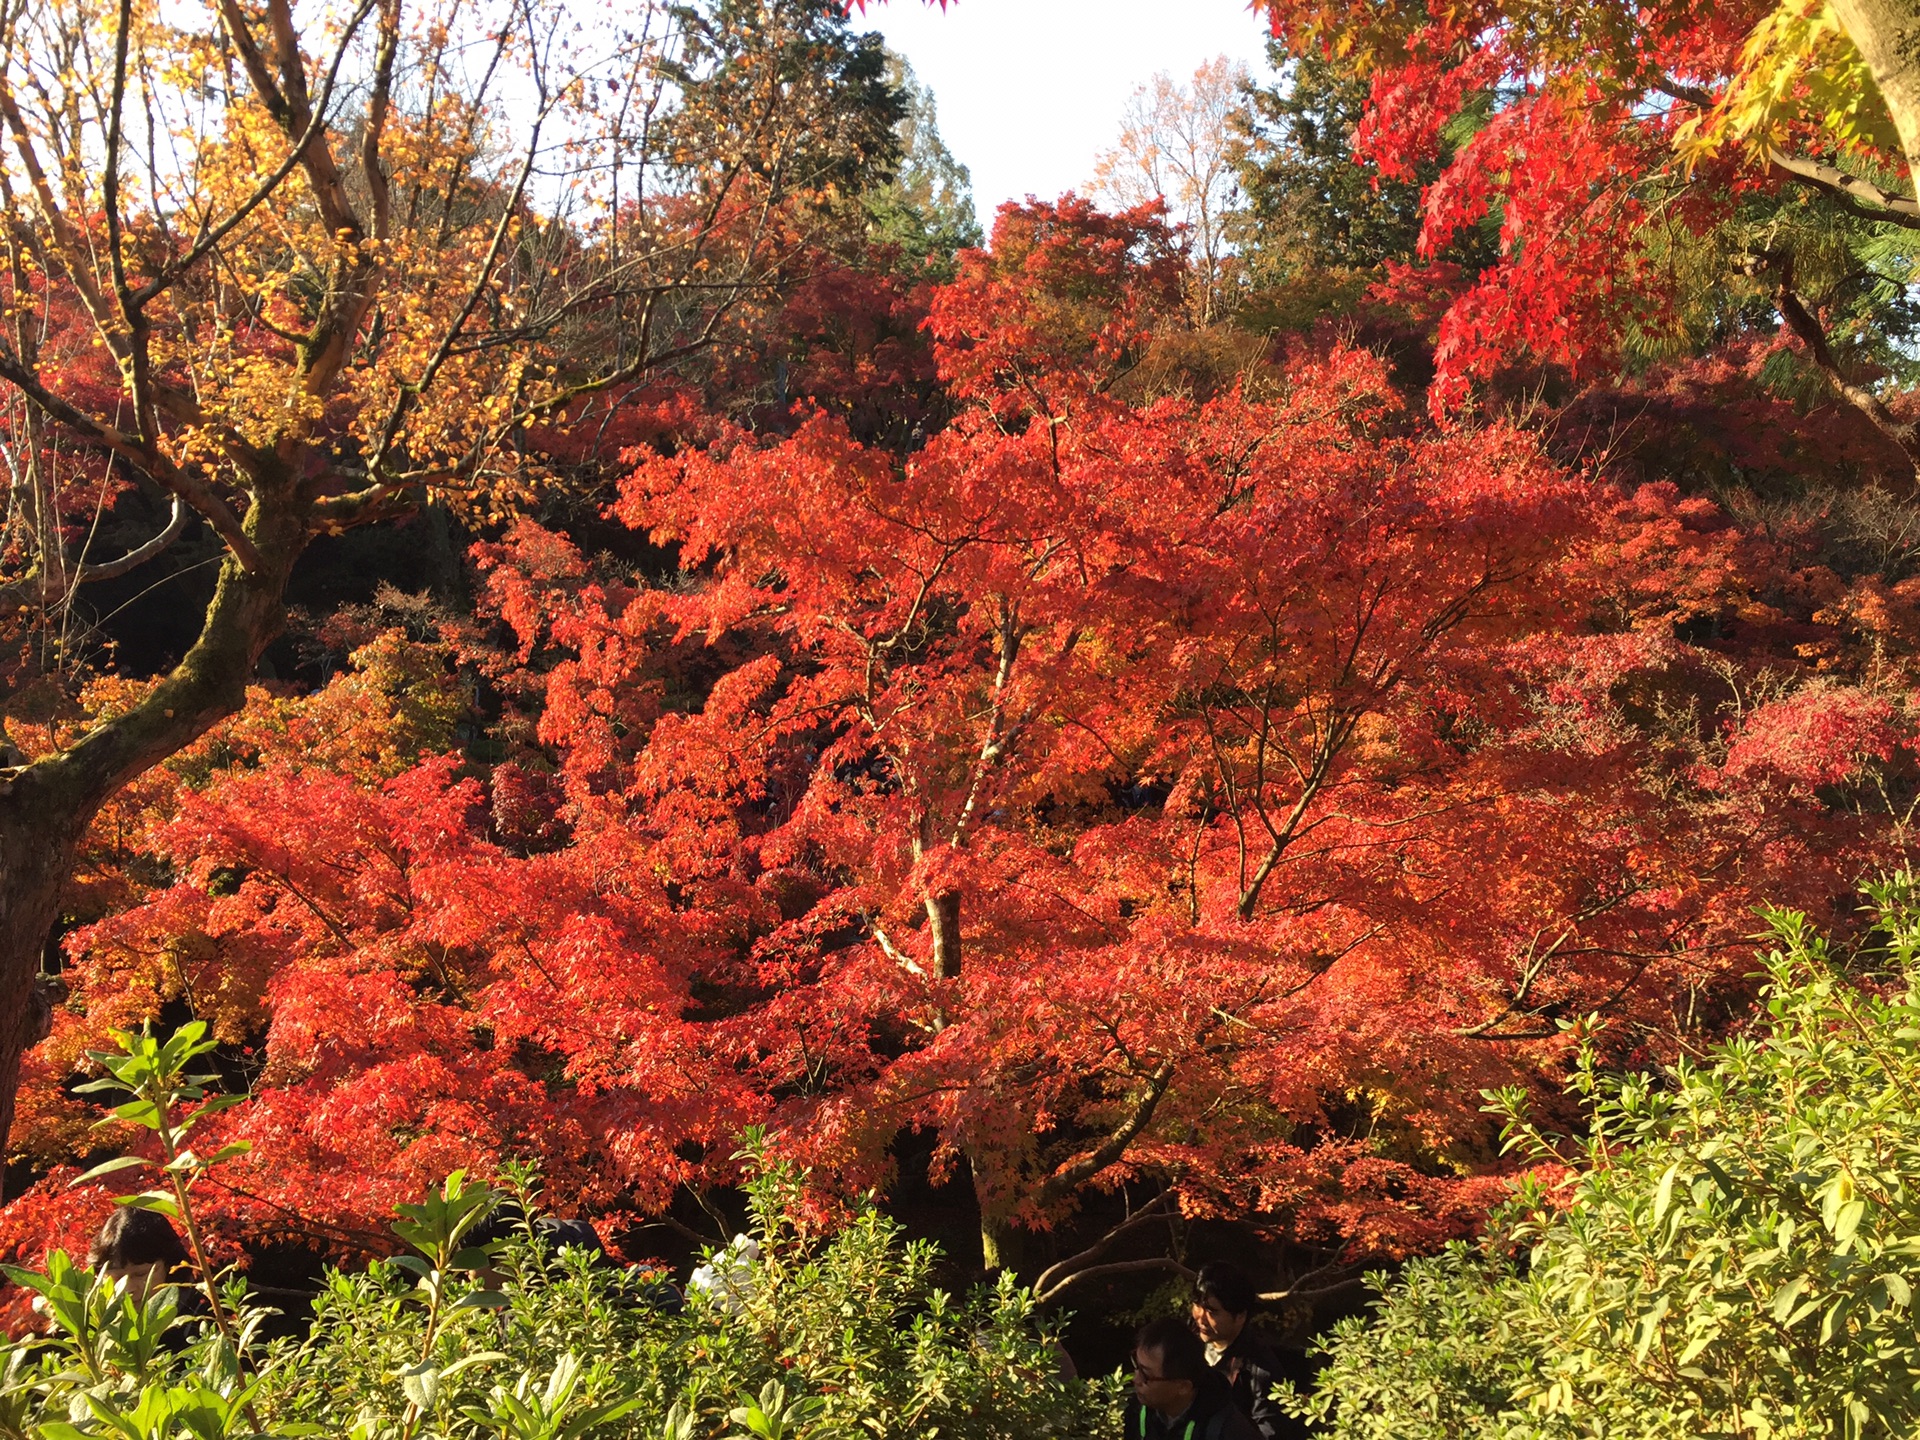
(1859, 196)
(1812, 334)
(1057, 1278)
(1077, 1172)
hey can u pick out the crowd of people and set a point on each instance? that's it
(1208, 1376)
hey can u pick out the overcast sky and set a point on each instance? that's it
(1030, 91)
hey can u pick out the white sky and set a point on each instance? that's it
(1031, 91)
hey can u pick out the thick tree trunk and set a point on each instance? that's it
(1887, 35)
(445, 577)
(37, 845)
(1003, 1245)
(45, 807)
(943, 925)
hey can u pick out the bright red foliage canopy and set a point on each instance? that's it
(1208, 795)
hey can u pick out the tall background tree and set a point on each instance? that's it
(1173, 146)
(927, 208)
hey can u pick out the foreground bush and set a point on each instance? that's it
(796, 1335)
(1738, 1256)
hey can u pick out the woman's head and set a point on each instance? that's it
(138, 1247)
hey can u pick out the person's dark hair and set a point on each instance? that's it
(1182, 1356)
(1225, 1284)
(503, 1222)
(508, 1221)
(579, 1234)
(136, 1237)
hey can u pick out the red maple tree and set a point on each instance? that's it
(1204, 798)
(1616, 146)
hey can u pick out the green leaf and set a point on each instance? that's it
(421, 1385)
(482, 1300)
(108, 1167)
(1788, 1295)
(1847, 1222)
(1694, 1348)
(602, 1415)
(468, 1362)
(1838, 1192)
(157, 1200)
(26, 1279)
(1831, 1323)
(138, 1112)
(1663, 1195)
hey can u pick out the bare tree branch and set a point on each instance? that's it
(140, 554)
(1051, 1283)
(1860, 197)
(209, 238)
(1813, 336)
(1075, 1173)
(1115, 1267)
(171, 477)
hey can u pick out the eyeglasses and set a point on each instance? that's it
(1140, 1373)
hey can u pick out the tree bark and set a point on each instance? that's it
(45, 807)
(943, 924)
(1887, 35)
(36, 852)
(1809, 331)
(1003, 1245)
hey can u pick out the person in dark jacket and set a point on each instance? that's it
(1176, 1395)
(508, 1221)
(1223, 1301)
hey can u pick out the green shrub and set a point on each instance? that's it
(1738, 1257)
(817, 1335)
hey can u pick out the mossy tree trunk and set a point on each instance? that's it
(46, 806)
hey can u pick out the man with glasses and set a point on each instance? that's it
(1176, 1394)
